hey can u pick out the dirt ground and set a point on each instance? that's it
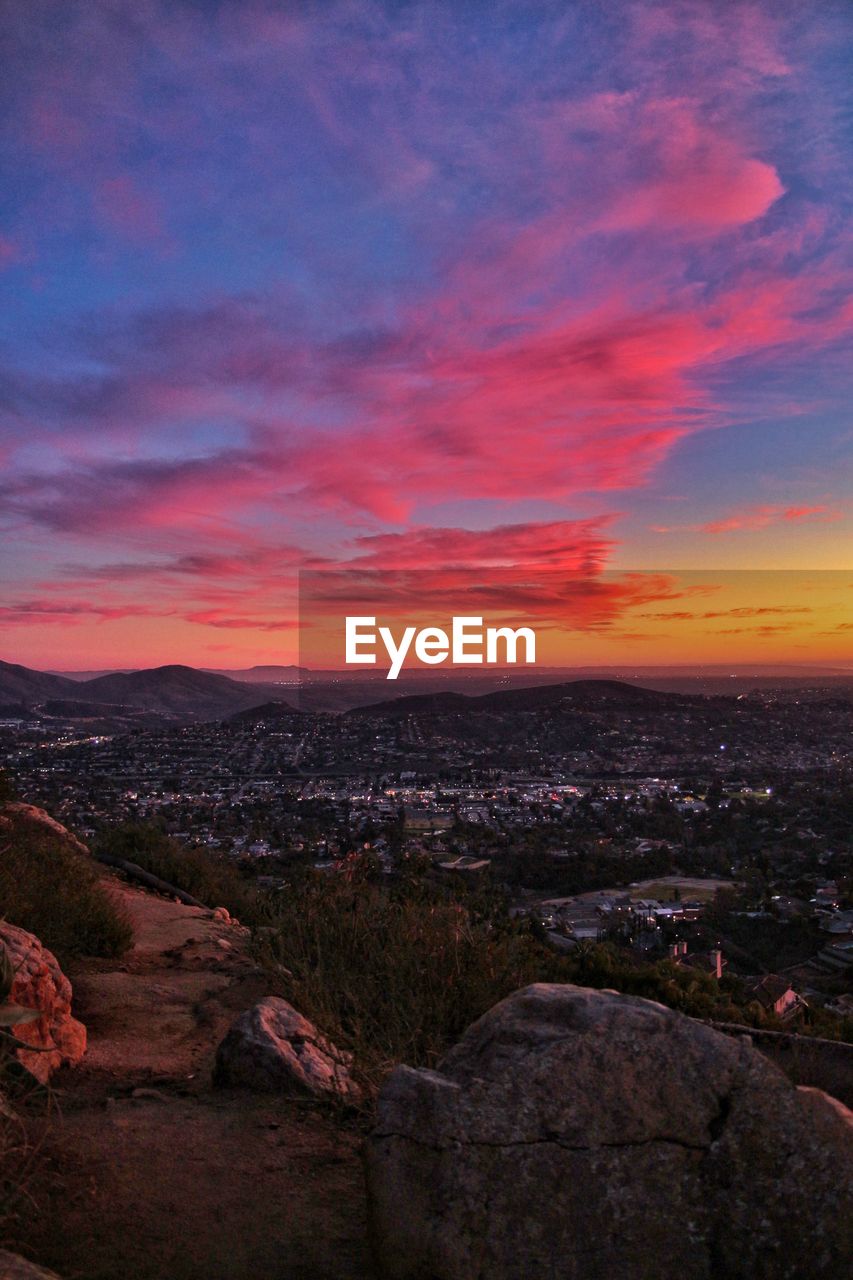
(147, 1172)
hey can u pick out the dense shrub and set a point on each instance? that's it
(392, 975)
(396, 973)
(206, 876)
(55, 892)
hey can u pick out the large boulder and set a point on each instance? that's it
(584, 1134)
(57, 1038)
(272, 1048)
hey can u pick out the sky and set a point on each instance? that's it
(425, 289)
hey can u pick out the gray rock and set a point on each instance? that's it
(272, 1048)
(584, 1135)
(14, 1267)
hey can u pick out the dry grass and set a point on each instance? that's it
(21, 1142)
(396, 973)
(395, 976)
(55, 892)
(204, 875)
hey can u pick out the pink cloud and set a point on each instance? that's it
(242, 622)
(550, 570)
(66, 612)
(761, 516)
(719, 190)
(695, 178)
(569, 545)
(446, 406)
(575, 280)
(751, 519)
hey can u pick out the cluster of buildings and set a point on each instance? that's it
(658, 792)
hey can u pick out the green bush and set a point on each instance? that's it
(55, 892)
(204, 875)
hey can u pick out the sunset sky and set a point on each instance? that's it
(425, 288)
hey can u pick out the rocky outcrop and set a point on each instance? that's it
(575, 1133)
(30, 815)
(272, 1048)
(57, 1038)
(14, 1267)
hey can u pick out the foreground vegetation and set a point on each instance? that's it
(213, 880)
(395, 968)
(55, 892)
(396, 972)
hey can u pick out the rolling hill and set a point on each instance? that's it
(262, 675)
(173, 690)
(194, 694)
(267, 711)
(580, 695)
(22, 685)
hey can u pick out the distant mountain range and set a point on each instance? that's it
(244, 675)
(190, 694)
(265, 675)
(171, 690)
(20, 684)
(574, 694)
(654, 676)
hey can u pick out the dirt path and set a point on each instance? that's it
(150, 1173)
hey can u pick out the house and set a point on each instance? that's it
(838, 954)
(839, 923)
(712, 962)
(775, 995)
(789, 908)
(827, 897)
(842, 1005)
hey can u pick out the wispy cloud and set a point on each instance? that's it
(750, 519)
(289, 286)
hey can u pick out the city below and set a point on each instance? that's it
(711, 830)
